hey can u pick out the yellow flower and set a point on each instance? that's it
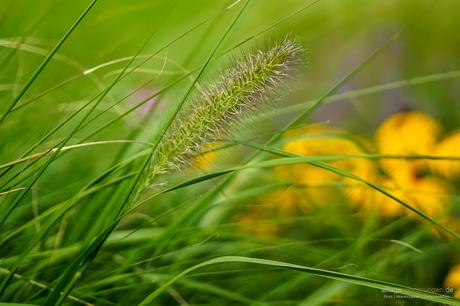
(288, 201)
(452, 280)
(448, 147)
(450, 221)
(318, 141)
(321, 141)
(207, 157)
(409, 133)
(371, 201)
(251, 223)
(282, 202)
(406, 133)
(429, 195)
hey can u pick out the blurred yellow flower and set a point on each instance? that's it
(448, 147)
(318, 141)
(288, 201)
(406, 133)
(371, 201)
(251, 222)
(207, 157)
(282, 202)
(429, 194)
(452, 280)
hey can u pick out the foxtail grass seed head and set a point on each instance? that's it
(240, 91)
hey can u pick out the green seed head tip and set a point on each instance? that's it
(240, 91)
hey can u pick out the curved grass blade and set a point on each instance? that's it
(46, 61)
(298, 11)
(131, 59)
(436, 77)
(33, 25)
(70, 147)
(70, 135)
(147, 58)
(342, 277)
(41, 286)
(215, 191)
(317, 161)
(57, 57)
(85, 257)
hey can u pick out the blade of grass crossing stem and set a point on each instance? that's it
(294, 160)
(284, 110)
(128, 72)
(330, 168)
(218, 56)
(362, 92)
(46, 61)
(70, 135)
(343, 277)
(164, 47)
(55, 214)
(212, 193)
(123, 76)
(62, 144)
(88, 254)
(291, 160)
(317, 161)
(33, 25)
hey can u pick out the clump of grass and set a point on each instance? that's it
(241, 91)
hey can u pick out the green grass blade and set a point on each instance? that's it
(46, 61)
(342, 277)
(87, 255)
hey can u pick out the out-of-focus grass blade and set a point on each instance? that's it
(215, 191)
(454, 74)
(72, 273)
(343, 277)
(8, 211)
(292, 159)
(46, 61)
(317, 161)
(17, 304)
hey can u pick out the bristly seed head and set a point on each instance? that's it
(240, 91)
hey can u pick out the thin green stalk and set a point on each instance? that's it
(45, 62)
